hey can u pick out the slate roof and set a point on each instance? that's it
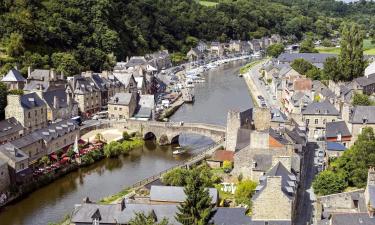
(271, 222)
(12, 152)
(361, 113)
(31, 100)
(58, 129)
(263, 162)
(40, 74)
(147, 101)
(61, 95)
(278, 136)
(124, 77)
(83, 85)
(13, 75)
(27, 140)
(278, 116)
(175, 194)
(143, 112)
(295, 136)
(351, 219)
(364, 81)
(121, 99)
(84, 213)
(315, 58)
(230, 216)
(320, 108)
(9, 126)
(335, 146)
(334, 128)
(160, 211)
(136, 61)
(286, 179)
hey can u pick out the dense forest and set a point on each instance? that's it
(73, 35)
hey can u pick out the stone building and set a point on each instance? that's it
(32, 145)
(359, 118)
(10, 129)
(60, 104)
(86, 93)
(262, 118)
(14, 80)
(122, 105)
(238, 129)
(17, 162)
(316, 115)
(45, 80)
(4, 176)
(29, 109)
(348, 208)
(274, 198)
(160, 60)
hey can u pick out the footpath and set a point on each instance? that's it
(249, 79)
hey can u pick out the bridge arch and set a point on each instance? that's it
(149, 136)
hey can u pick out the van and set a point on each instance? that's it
(100, 115)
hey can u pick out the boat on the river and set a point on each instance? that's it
(179, 151)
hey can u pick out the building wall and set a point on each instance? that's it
(35, 151)
(357, 129)
(32, 119)
(319, 127)
(272, 204)
(259, 140)
(233, 124)
(262, 118)
(10, 137)
(122, 111)
(89, 102)
(62, 141)
(4, 178)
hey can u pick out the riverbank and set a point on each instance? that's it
(253, 89)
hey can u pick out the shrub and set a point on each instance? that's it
(125, 136)
(227, 166)
(244, 191)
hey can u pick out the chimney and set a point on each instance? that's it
(29, 72)
(86, 200)
(52, 74)
(68, 99)
(56, 103)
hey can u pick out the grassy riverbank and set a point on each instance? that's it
(250, 65)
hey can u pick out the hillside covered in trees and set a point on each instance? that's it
(72, 35)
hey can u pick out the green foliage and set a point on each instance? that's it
(244, 191)
(301, 66)
(125, 136)
(196, 209)
(314, 73)
(65, 63)
(351, 168)
(150, 219)
(3, 100)
(227, 165)
(15, 45)
(351, 62)
(327, 43)
(45, 160)
(317, 98)
(328, 182)
(331, 69)
(361, 99)
(248, 66)
(275, 50)
(115, 148)
(16, 92)
(307, 46)
(178, 57)
(178, 176)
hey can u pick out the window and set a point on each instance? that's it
(41, 111)
(36, 112)
(333, 120)
(307, 121)
(316, 121)
(120, 108)
(324, 121)
(28, 114)
(115, 108)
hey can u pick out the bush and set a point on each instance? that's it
(125, 136)
(227, 166)
(244, 191)
(328, 182)
(115, 148)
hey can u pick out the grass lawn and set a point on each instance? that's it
(208, 3)
(369, 49)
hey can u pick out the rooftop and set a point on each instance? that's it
(9, 126)
(320, 108)
(121, 99)
(222, 155)
(333, 129)
(13, 75)
(230, 216)
(335, 146)
(363, 114)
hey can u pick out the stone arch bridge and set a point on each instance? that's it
(168, 132)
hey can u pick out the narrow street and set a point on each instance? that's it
(304, 206)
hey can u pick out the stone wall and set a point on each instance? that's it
(4, 177)
(272, 203)
(262, 118)
(259, 140)
(233, 124)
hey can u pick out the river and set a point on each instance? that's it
(222, 91)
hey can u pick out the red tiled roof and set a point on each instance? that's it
(222, 155)
(302, 84)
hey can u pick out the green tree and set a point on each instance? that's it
(66, 63)
(244, 191)
(275, 50)
(15, 45)
(361, 99)
(196, 209)
(331, 69)
(3, 100)
(150, 219)
(328, 182)
(126, 136)
(301, 66)
(175, 177)
(178, 58)
(314, 73)
(351, 62)
(307, 46)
